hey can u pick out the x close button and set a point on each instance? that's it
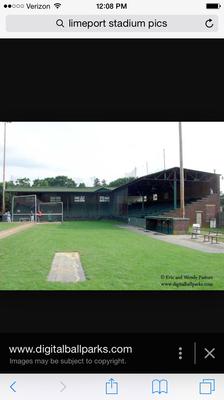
(209, 353)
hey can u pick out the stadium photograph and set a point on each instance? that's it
(111, 206)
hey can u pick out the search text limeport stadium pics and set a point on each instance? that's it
(111, 206)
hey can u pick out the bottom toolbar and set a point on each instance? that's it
(120, 386)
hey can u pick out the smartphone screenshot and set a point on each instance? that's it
(111, 200)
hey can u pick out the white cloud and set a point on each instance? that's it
(108, 150)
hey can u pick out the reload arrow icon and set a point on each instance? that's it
(209, 23)
(63, 387)
(12, 386)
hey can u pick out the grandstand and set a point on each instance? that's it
(155, 195)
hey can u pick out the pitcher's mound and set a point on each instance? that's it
(66, 267)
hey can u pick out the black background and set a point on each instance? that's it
(176, 79)
(149, 353)
(164, 80)
(110, 312)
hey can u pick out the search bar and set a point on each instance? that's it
(112, 23)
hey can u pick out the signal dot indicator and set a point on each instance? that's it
(13, 6)
(180, 353)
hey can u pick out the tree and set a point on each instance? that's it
(63, 181)
(40, 182)
(59, 181)
(121, 181)
(23, 182)
(96, 182)
(104, 183)
(82, 185)
(10, 184)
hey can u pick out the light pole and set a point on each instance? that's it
(3, 181)
(164, 159)
(182, 205)
(3, 168)
(164, 162)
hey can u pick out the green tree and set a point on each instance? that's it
(104, 183)
(121, 181)
(96, 182)
(40, 182)
(59, 181)
(10, 184)
(63, 181)
(82, 185)
(23, 182)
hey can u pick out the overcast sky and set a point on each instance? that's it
(84, 150)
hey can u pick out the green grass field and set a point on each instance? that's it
(6, 225)
(113, 258)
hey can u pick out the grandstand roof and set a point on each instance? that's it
(172, 174)
(55, 189)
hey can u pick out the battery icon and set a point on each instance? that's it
(213, 6)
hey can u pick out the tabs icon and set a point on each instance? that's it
(207, 386)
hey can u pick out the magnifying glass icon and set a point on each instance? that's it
(60, 22)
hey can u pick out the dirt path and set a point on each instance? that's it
(12, 231)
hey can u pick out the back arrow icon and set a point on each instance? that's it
(12, 386)
(63, 388)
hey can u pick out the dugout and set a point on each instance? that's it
(167, 225)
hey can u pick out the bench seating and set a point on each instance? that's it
(194, 235)
(196, 232)
(212, 237)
